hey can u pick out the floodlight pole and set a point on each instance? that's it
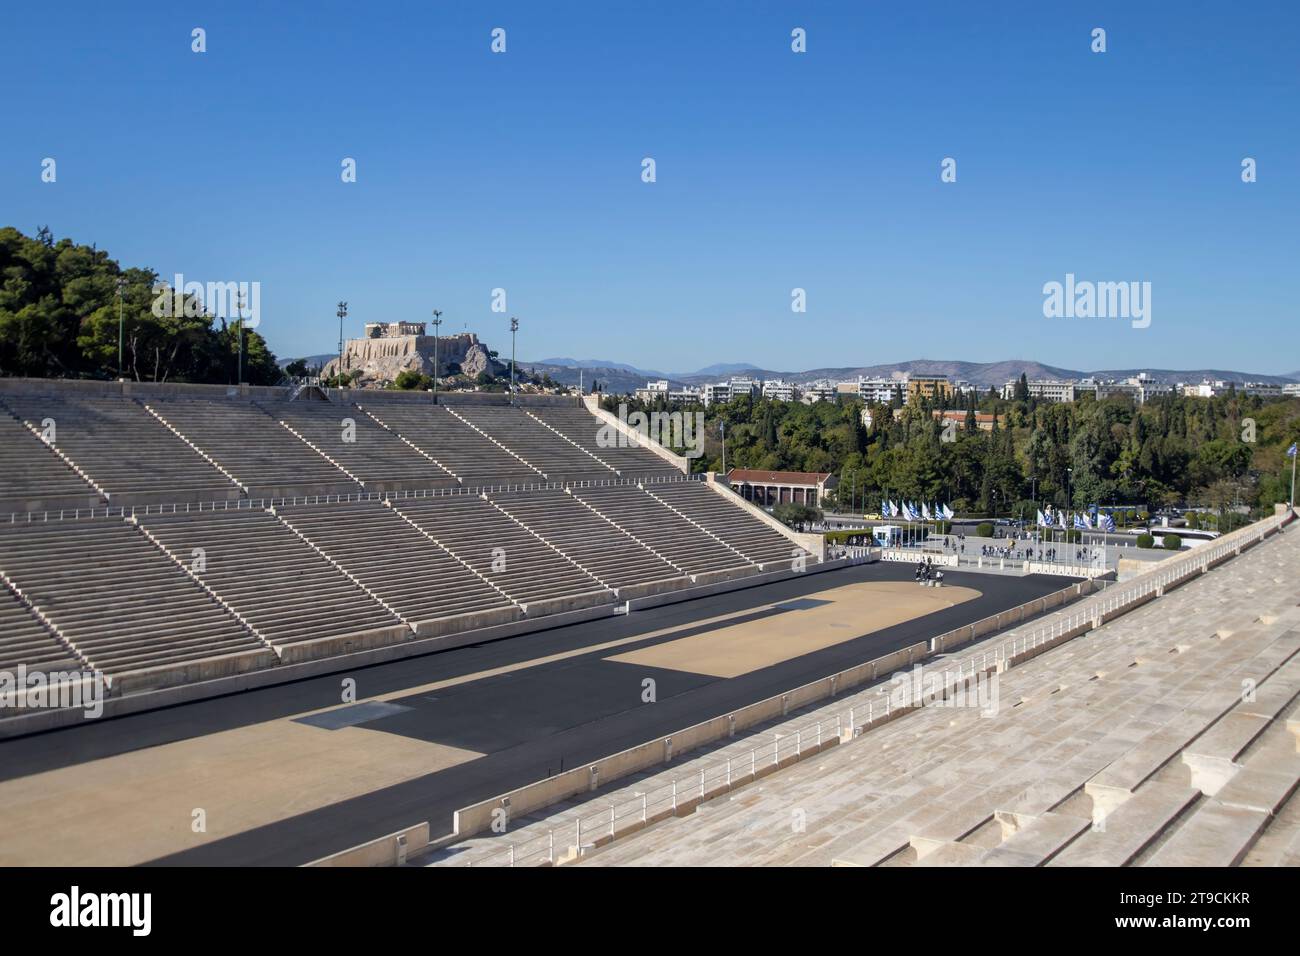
(342, 314)
(437, 322)
(121, 287)
(514, 327)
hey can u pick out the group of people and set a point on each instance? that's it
(927, 572)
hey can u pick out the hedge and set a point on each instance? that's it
(984, 529)
(1146, 541)
(1172, 542)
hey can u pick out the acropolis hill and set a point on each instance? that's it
(390, 348)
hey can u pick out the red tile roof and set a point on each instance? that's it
(778, 477)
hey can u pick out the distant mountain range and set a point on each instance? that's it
(622, 377)
(619, 377)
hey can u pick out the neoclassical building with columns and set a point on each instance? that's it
(768, 488)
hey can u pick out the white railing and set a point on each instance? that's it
(124, 511)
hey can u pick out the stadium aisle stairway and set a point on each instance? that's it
(473, 458)
(286, 590)
(33, 477)
(121, 603)
(582, 428)
(765, 546)
(686, 545)
(253, 448)
(503, 552)
(411, 573)
(552, 454)
(590, 541)
(125, 450)
(360, 446)
(24, 639)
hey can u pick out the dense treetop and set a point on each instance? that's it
(1173, 450)
(59, 318)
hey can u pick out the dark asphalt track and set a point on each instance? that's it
(528, 724)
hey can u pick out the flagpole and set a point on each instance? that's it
(1295, 453)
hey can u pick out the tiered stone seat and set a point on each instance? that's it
(527, 569)
(25, 640)
(757, 541)
(33, 477)
(256, 450)
(125, 450)
(583, 428)
(555, 456)
(376, 457)
(591, 541)
(668, 533)
(283, 587)
(469, 455)
(420, 580)
(119, 601)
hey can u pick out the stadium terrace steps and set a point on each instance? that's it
(463, 451)
(124, 450)
(765, 546)
(33, 476)
(25, 638)
(593, 543)
(361, 447)
(299, 602)
(244, 441)
(72, 572)
(558, 458)
(505, 553)
(421, 581)
(583, 428)
(667, 532)
(947, 785)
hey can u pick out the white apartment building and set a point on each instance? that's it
(780, 390)
(662, 390)
(1044, 389)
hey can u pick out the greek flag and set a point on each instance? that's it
(1042, 518)
(1290, 452)
(1081, 522)
(1107, 523)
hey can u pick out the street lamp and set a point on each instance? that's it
(437, 321)
(342, 314)
(121, 288)
(514, 327)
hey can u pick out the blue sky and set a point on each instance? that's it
(775, 170)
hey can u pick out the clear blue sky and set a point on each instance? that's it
(775, 170)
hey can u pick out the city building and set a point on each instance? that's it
(779, 390)
(662, 390)
(935, 388)
(1045, 390)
